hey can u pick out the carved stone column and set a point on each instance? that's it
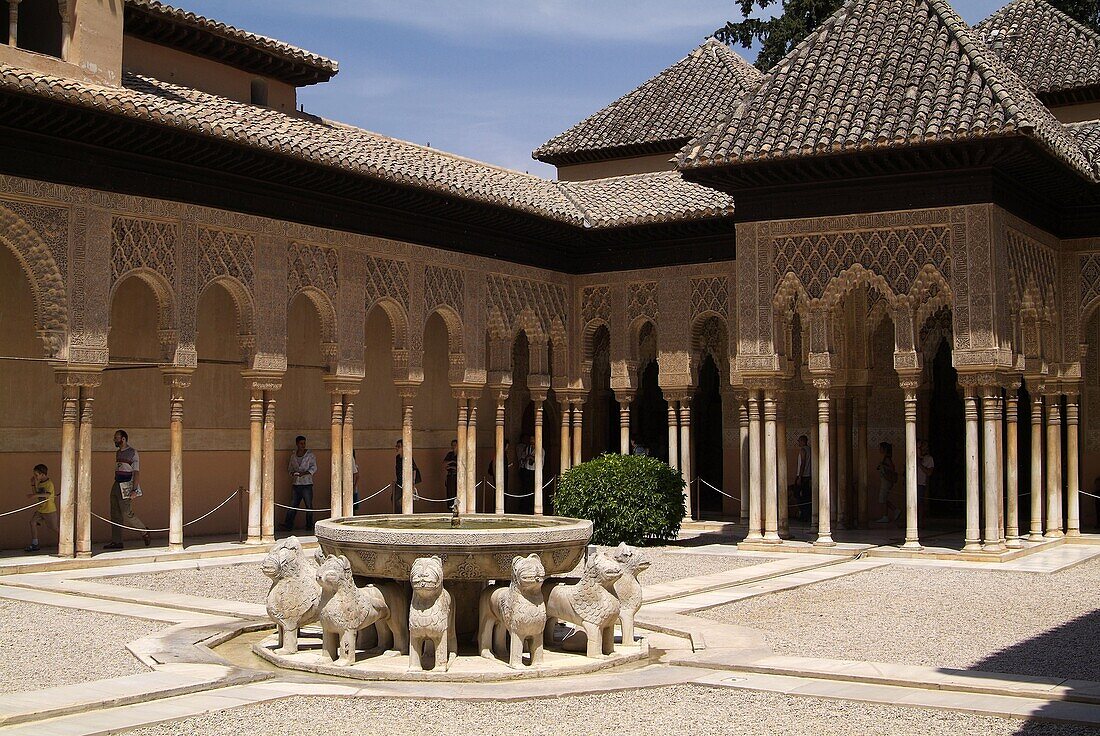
(347, 461)
(565, 450)
(781, 468)
(685, 453)
(408, 476)
(177, 380)
(624, 423)
(909, 385)
(255, 464)
(267, 524)
(578, 424)
(972, 539)
(1012, 469)
(743, 453)
(13, 23)
(843, 433)
(991, 417)
(824, 533)
(460, 436)
(70, 422)
(755, 476)
(1036, 525)
(815, 472)
(500, 474)
(336, 497)
(673, 436)
(771, 473)
(538, 399)
(1073, 473)
(471, 453)
(860, 454)
(1054, 466)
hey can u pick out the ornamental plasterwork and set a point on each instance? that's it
(643, 301)
(443, 287)
(596, 304)
(1091, 393)
(226, 253)
(1090, 279)
(310, 265)
(51, 224)
(516, 300)
(387, 279)
(148, 244)
(47, 281)
(709, 294)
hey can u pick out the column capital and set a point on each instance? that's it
(538, 396)
(338, 384)
(257, 380)
(81, 376)
(407, 392)
(981, 379)
(463, 392)
(176, 377)
(822, 381)
(625, 396)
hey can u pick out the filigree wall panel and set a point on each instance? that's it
(443, 287)
(137, 243)
(387, 278)
(513, 296)
(51, 224)
(1089, 265)
(310, 265)
(643, 301)
(710, 294)
(226, 253)
(596, 304)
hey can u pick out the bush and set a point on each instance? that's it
(628, 498)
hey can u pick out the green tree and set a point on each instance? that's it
(782, 33)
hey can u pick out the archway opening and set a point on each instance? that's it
(601, 410)
(707, 436)
(946, 437)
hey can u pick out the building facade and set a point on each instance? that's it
(905, 246)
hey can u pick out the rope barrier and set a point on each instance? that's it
(1090, 495)
(301, 508)
(547, 483)
(719, 490)
(418, 497)
(361, 500)
(188, 523)
(24, 508)
(520, 495)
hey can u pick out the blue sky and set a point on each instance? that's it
(489, 79)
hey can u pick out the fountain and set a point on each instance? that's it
(450, 597)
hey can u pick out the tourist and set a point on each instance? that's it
(637, 448)
(925, 467)
(126, 488)
(46, 513)
(803, 476)
(527, 464)
(399, 474)
(888, 476)
(354, 484)
(491, 475)
(450, 469)
(301, 467)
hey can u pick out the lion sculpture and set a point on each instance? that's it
(518, 610)
(346, 610)
(431, 615)
(589, 604)
(294, 599)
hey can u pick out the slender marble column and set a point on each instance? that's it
(408, 475)
(1001, 465)
(578, 424)
(347, 462)
(460, 435)
(336, 497)
(912, 537)
(1073, 473)
(843, 434)
(1012, 471)
(991, 417)
(815, 472)
(255, 464)
(781, 463)
(824, 534)
(84, 475)
(624, 427)
(267, 522)
(862, 497)
(973, 540)
(566, 446)
(771, 473)
(685, 454)
(175, 469)
(1036, 526)
(471, 457)
(743, 455)
(1054, 467)
(13, 23)
(500, 472)
(673, 437)
(755, 479)
(70, 417)
(538, 399)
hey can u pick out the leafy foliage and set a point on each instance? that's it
(779, 35)
(628, 498)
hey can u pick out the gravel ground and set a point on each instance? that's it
(246, 582)
(661, 711)
(42, 646)
(1019, 623)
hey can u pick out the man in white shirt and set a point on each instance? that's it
(302, 466)
(925, 467)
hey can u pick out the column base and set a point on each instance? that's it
(772, 538)
(1054, 534)
(1073, 532)
(754, 537)
(993, 547)
(1014, 543)
(175, 547)
(1035, 537)
(912, 545)
(825, 541)
(253, 539)
(972, 545)
(83, 555)
(267, 539)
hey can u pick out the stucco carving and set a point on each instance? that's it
(51, 313)
(642, 302)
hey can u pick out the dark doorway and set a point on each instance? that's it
(947, 441)
(706, 421)
(650, 414)
(39, 26)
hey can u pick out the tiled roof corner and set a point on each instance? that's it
(882, 74)
(640, 199)
(1050, 51)
(662, 113)
(1087, 134)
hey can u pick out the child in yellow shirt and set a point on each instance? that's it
(46, 513)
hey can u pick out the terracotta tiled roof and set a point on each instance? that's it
(1088, 136)
(882, 74)
(663, 197)
(1050, 51)
(662, 114)
(323, 68)
(644, 198)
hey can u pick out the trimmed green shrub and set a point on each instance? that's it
(628, 498)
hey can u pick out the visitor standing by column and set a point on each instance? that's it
(526, 474)
(398, 473)
(126, 488)
(803, 478)
(301, 467)
(637, 448)
(450, 469)
(46, 513)
(887, 477)
(354, 484)
(925, 467)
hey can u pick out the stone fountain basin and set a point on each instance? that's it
(480, 549)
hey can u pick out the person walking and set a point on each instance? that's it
(803, 478)
(888, 476)
(450, 470)
(398, 476)
(301, 467)
(126, 488)
(46, 513)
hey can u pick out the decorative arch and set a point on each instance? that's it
(326, 311)
(709, 336)
(242, 301)
(643, 342)
(162, 290)
(51, 307)
(456, 353)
